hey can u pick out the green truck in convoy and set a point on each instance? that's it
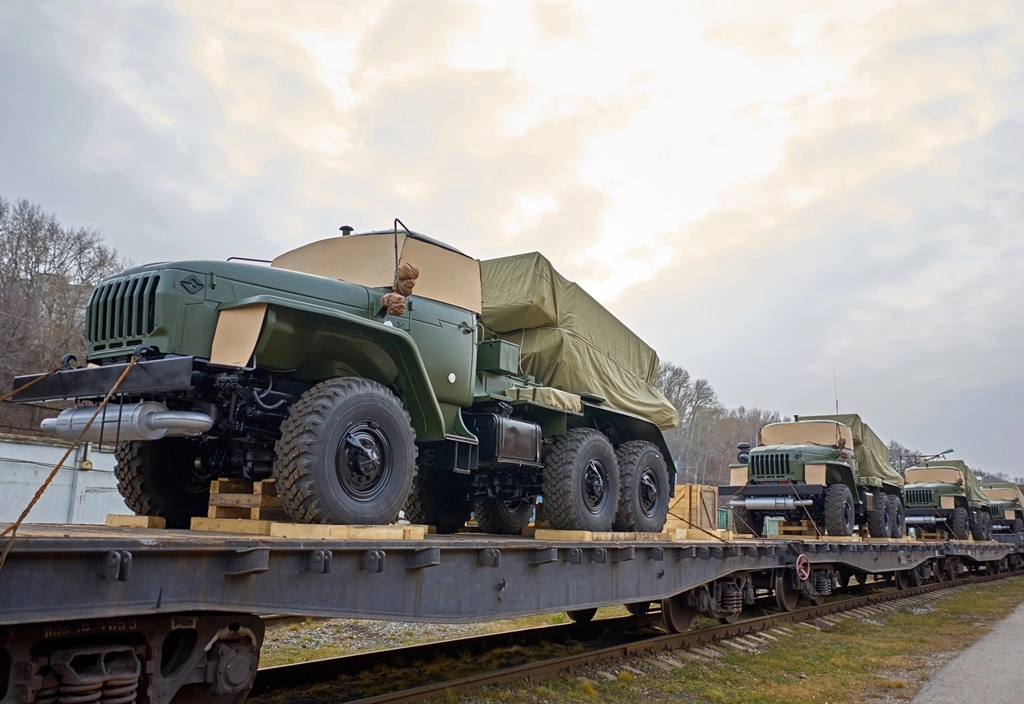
(945, 494)
(830, 469)
(369, 373)
(1007, 506)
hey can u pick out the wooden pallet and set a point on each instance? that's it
(238, 498)
(585, 535)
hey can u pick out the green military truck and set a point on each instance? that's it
(369, 373)
(1007, 506)
(945, 494)
(831, 469)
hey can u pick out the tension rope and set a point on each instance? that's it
(12, 529)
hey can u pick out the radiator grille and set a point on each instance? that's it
(770, 466)
(917, 497)
(122, 310)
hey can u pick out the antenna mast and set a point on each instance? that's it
(835, 389)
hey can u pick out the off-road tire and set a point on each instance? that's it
(439, 499)
(308, 469)
(643, 488)
(502, 517)
(897, 517)
(149, 477)
(839, 514)
(978, 526)
(744, 521)
(1017, 526)
(574, 456)
(879, 525)
(958, 523)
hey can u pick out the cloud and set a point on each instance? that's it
(885, 245)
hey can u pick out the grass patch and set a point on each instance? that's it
(888, 660)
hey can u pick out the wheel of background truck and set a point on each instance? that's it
(1017, 526)
(643, 488)
(502, 517)
(838, 510)
(346, 454)
(786, 595)
(439, 499)
(958, 523)
(638, 608)
(581, 482)
(154, 479)
(897, 517)
(744, 521)
(879, 525)
(582, 615)
(676, 614)
(978, 526)
(987, 518)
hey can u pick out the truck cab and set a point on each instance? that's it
(1007, 506)
(945, 495)
(813, 469)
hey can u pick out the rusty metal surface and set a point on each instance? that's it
(59, 572)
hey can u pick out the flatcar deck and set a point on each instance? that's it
(59, 572)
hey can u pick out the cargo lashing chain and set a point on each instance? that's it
(12, 529)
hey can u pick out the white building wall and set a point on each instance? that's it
(78, 494)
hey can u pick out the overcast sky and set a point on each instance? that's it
(766, 192)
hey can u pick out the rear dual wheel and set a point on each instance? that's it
(880, 519)
(581, 482)
(643, 488)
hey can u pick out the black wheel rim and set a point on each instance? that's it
(364, 461)
(595, 485)
(650, 492)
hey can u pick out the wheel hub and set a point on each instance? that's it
(594, 486)
(362, 462)
(649, 493)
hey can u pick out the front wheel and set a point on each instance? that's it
(155, 479)
(643, 488)
(897, 517)
(838, 510)
(581, 482)
(879, 525)
(958, 524)
(346, 454)
(502, 517)
(744, 521)
(439, 499)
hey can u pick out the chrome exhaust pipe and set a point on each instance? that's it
(148, 420)
(771, 503)
(924, 519)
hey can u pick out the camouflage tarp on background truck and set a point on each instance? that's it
(971, 483)
(568, 339)
(872, 454)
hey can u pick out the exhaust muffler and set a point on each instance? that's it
(148, 420)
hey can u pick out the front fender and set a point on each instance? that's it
(310, 342)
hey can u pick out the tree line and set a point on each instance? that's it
(47, 272)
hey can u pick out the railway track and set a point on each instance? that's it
(633, 637)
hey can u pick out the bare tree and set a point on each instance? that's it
(47, 272)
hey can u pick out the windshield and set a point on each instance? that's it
(806, 432)
(946, 475)
(1000, 494)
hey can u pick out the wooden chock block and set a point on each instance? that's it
(118, 520)
(231, 525)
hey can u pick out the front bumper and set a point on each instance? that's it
(147, 376)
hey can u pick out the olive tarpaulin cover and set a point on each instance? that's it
(872, 454)
(971, 483)
(568, 340)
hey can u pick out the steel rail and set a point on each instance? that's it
(285, 676)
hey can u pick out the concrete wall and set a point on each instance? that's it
(77, 495)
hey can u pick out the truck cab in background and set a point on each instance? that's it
(945, 495)
(830, 470)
